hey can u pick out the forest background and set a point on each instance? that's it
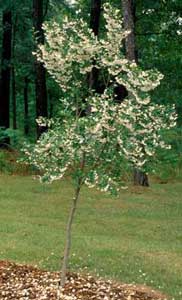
(27, 91)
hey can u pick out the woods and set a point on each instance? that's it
(26, 89)
(90, 98)
(5, 72)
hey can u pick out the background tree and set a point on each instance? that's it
(40, 72)
(5, 72)
(128, 6)
(95, 14)
(158, 32)
(158, 39)
(26, 107)
(13, 72)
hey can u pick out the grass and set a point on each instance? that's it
(136, 237)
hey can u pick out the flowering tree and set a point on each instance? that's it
(91, 148)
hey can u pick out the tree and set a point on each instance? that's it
(13, 75)
(91, 148)
(95, 13)
(95, 16)
(5, 73)
(40, 72)
(26, 107)
(140, 178)
(129, 24)
(158, 32)
(94, 82)
(24, 65)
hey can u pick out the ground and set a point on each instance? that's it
(26, 282)
(135, 238)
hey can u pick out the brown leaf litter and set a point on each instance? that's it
(23, 282)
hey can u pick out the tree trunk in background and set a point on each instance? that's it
(140, 178)
(40, 72)
(26, 116)
(95, 16)
(14, 97)
(5, 73)
(95, 13)
(120, 90)
(128, 6)
(13, 80)
(129, 24)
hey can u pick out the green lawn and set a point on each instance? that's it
(136, 237)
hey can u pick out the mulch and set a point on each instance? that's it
(24, 282)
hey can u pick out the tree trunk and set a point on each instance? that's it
(68, 240)
(129, 24)
(68, 231)
(5, 74)
(40, 72)
(95, 13)
(128, 6)
(13, 75)
(140, 178)
(14, 97)
(26, 116)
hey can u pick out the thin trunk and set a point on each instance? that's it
(51, 106)
(5, 73)
(68, 231)
(14, 97)
(13, 75)
(128, 6)
(26, 115)
(94, 25)
(68, 240)
(40, 72)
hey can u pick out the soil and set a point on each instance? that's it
(24, 282)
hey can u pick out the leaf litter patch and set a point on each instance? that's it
(24, 282)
